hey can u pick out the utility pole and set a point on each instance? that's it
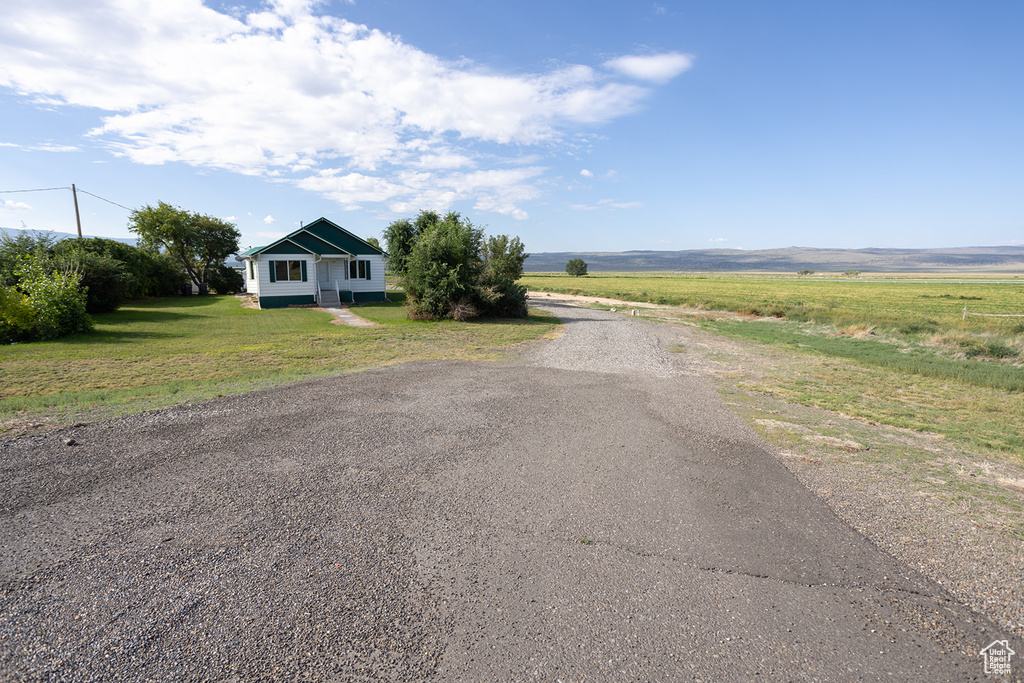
(78, 217)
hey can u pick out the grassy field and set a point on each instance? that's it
(896, 352)
(905, 304)
(163, 352)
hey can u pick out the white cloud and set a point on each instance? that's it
(50, 147)
(10, 205)
(269, 220)
(311, 99)
(606, 204)
(586, 174)
(655, 68)
(719, 239)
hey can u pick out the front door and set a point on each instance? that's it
(323, 270)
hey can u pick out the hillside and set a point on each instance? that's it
(1008, 259)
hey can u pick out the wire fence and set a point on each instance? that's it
(993, 315)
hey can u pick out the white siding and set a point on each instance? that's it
(376, 283)
(264, 287)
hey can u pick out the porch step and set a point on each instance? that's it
(329, 298)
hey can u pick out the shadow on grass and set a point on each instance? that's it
(132, 316)
(101, 336)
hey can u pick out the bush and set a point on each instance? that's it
(56, 300)
(225, 280)
(453, 272)
(16, 316)
(442, 269)
(106, 280)
(164, 275)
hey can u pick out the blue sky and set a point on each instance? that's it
(577, 125)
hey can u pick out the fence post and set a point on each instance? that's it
(965, 311)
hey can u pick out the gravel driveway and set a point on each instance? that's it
(591, 512)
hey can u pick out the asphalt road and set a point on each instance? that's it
(592, 512)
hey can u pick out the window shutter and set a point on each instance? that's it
(368, 271)
(273, 275)
(303, 262)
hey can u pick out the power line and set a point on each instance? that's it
(106, 200)
(47, 189)
(41, 189)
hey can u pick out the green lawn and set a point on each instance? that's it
(161, 352)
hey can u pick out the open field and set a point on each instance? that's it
(904, 303)
(163, 352)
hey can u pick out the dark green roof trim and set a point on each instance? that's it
(316, 244)
(342, 238)
(321, 237)
(287, 246)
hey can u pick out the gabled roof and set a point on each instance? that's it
(322, 238)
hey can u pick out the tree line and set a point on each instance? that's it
(49, 288)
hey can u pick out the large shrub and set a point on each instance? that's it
(14, 248)
(503, 266)
(16, 316)
(106, 280)
(451, 271)
(163, 275)
(225, 279)
(55, 298)
(443, 270)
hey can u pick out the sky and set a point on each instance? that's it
(577, 125)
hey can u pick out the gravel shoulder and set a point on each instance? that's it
(592, 510)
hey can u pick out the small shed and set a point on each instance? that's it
(320, 263)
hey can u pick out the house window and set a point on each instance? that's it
(359, 270)
(248, 269)
(287, 271)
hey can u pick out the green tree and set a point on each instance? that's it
(576, 267)
(503, 266)
(453, 271)
(443, 269)
(197, 241)
(21, 245)
(805, 271)
(374, 241)
(399, 236)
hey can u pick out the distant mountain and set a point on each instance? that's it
(64, 235)
(790, 260)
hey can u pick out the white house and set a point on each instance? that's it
(320, 263)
